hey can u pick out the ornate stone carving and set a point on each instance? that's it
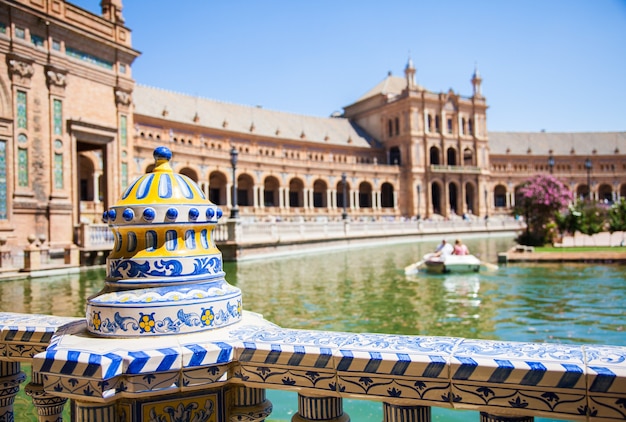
(56, 77)
(122, 97)
(21, 69)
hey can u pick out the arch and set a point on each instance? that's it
(435, 195)
(468, 157)
(217, 188)
(451, 156)
(499, 196)
(190, 173)
(271, 187)
(470, 198)
(605, 193)
(296, 193)
(319, 194)
(339, 197)
(582, 191)
(434, 155)
(453, 197)
(245, 189)
(386, 195)
(365, 195)
(395, 156)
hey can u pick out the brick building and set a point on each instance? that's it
(75, 130)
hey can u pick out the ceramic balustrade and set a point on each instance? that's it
(105, 377)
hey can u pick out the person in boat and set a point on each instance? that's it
(460, 248)
(444, 249)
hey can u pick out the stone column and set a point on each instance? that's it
(95, 412)
(328, 409)
(250, 405)
(487, 417)
(10, 379)
(49, 408)
(400, 413)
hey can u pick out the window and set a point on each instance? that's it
(80, 55)
(58, 170)
(22, 117)
(397, 123)
(124, 130)
(124, 176)
(390, 127)
(437, 124)
(22, 161)
(36, 40)
(449, 125)
(56, 45)
(57, 116)
(20, 33)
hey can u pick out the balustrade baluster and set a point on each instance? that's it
(329, 409)
(250, 405)
(488, 417)
(10, 378)
(403, 413)
(49, 407)
(95, 412)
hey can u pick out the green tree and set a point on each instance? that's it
(617, 218)
(539, 199)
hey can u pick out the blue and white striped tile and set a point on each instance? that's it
(606, 381)
(545, 378)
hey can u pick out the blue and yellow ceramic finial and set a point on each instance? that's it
(164, 274)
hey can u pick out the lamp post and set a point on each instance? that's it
(419, 201)
(344, 214)
(588, 167)
(551, 163)
(486, 204)
(234, 155)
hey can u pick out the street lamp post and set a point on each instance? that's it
(419, 201)
(344, 214)
(234, 155)
(588, 167)
(486, 204)
(551, 163)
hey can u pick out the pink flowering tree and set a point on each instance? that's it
(539, 200)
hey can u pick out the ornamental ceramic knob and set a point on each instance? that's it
(164, 274)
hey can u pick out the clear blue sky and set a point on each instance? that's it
(558, 65)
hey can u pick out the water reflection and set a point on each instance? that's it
(366, 290)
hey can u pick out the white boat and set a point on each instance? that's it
(446, 264)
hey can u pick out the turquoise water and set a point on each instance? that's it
(365, 290)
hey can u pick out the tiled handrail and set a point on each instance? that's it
(576, 382)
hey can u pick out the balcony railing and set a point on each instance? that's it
(437, 168)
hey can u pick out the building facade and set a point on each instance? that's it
(75, 130)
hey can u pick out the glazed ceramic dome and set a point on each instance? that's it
(164, 274)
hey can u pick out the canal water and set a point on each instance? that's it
(366, 290)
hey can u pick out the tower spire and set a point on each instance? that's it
(409, 72)
(476, 81)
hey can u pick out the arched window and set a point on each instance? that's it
(386, 195)
(434, 155)
(395, 156)
(451, 156)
